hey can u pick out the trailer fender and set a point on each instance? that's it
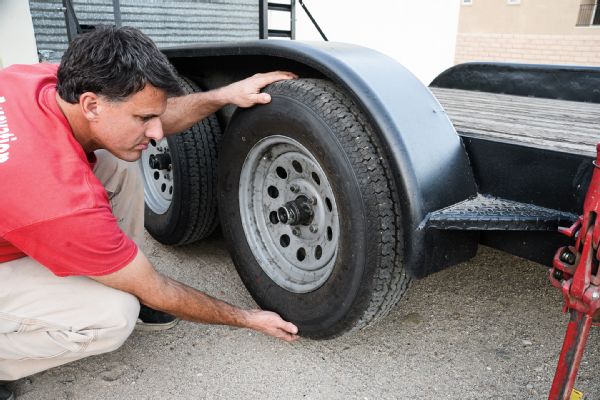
(563, 82)
(430, 166)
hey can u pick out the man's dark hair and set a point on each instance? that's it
(115, 63)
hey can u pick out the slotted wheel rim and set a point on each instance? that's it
(280, 177)
(158, 180)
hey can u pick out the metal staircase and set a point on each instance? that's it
(265, 6)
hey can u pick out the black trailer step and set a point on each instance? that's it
(487, 213)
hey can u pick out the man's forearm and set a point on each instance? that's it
(163, 293)
(190, 304)
(183, 112)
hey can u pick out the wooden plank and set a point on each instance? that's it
(560, 125)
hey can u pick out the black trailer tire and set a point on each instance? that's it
(312, 145)
(181, 199)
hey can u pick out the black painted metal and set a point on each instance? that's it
(487, 213)
(71, 22)
(280, 33)
(293, 19)
(312, 19)
(264, 7)
(263, 19)
(542, 177)
(546, 81)
(530, 175)
(429, 165)
(539, 247)
(117, 12)
(73, 26)
(280, 7)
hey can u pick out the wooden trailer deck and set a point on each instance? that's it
(566, 126)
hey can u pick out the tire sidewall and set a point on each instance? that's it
(340, 301)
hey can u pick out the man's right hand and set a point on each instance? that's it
(246, 93)
(184, 111)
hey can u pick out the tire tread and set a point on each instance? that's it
(196, 160)
(380, 196)
(200, 144)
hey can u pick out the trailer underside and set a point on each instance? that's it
(536, 152)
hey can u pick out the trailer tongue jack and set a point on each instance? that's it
(576, 273)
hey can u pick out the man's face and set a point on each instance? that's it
(126, 127)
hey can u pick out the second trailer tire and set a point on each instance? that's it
(180, 185)
(309, 209)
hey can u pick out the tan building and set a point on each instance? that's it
(530, 31)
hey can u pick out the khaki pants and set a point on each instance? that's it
(45, 320)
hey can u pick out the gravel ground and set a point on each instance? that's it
(487, 329)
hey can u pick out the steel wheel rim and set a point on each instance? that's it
(158, 183)
(277, 171)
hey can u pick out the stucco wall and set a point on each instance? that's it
(551, 17)
(543, 49)
(534, 31)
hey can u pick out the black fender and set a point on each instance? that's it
(430, 166)
(562, 82)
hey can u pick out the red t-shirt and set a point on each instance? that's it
(52, 206)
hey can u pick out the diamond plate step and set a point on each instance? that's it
(488, 213)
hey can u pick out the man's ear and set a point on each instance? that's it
(90, 108)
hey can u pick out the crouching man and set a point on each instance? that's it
(72, 275)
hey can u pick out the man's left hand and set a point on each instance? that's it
(246, 93)
(271, 324)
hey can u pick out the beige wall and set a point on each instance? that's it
(535, 31)
(17, 41)
(552, 17)
(536, 49)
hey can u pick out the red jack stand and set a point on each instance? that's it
(576, 272)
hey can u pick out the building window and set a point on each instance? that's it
(466, 2)
(589, 14)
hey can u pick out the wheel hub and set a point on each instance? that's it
(157, 172)
(296, 212)
(289, 214)
(160, 161)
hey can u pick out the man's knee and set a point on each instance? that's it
(125, 188)
(119, 319)
(99, 325)
(117, 175)
(131, 176)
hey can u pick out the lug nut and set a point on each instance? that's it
(312, 201)
(294, 188)
(159, 161)
(296, 232)
(568, 257)
(314, 228)
(557, 274)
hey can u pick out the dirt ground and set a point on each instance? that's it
(487, 329)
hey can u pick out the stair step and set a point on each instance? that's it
(279, 7)
(280, 33)
(487, 213)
